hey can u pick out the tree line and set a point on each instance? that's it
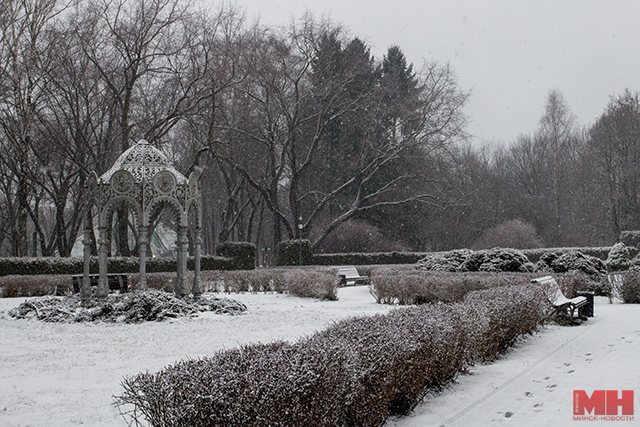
(301, 131)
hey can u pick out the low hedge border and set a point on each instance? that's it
(358, 371)
(52, 265)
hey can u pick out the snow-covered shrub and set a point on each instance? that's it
(444, 261)
(375, 258)
(561, 262)
(405, 288)
(294, 252)
(630, 238)
(151, 305)
(496, 260)
(619, 258)
(33, 286)
(310, 284)
(357, 372)
(243, 254)
(629, 289)
(575, 281)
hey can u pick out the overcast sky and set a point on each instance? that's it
(509, 53)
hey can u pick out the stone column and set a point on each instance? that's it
(85, 292)
(197, 281)
(183, 250)
(143, 234)
(103, 284)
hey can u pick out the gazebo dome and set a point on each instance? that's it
(143, 161)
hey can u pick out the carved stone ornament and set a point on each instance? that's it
(193, 183)
(164, 181)
(122, 181)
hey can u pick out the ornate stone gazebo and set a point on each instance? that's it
(144, 180)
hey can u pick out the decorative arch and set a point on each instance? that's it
(142, 177)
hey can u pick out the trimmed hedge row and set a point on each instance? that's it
(420, 287)
(51, 265)
(294, 252)
(376, 258)
(357, 372)
(243, 253)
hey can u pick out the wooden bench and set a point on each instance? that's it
(562, 305)
(349, 276)
(117, 282)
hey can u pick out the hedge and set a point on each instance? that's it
(357, 372)
(51, 265)
(244, 254)
(294, 252)
(375, 258)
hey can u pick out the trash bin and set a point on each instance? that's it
(587, 309)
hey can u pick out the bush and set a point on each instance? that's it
(53, 265)
(516, 234)
(445, 261)
(35, 286)
(294, 252)
(629, 290)
(306, 284)
(496, 260)
(404, 288)
(243, 253)
(357, 372)
(619, 258)
(630, 238)
(558, 262)
(376, 258)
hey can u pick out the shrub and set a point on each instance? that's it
(562, 262)
(630, 238)
(243, 253)
(294, 252)
(516, 234)
(33, 286)
(368, 259)
(306, 284)
(356, 372)
(629, 289)
(404, 288)
(445, 261)
(54, 265)
(619, 258)
(496, 260)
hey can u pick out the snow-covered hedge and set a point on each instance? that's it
(619, 258)
(629, 289)
(55, 265)
(243, 253)
(492, 260)
(357, 372)
(374, 258)
(419, 287)
(294, 252)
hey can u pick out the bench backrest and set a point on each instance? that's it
(348, 272)
(554, 292)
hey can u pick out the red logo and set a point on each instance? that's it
(603, 405)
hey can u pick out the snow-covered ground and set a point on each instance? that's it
(66, 374)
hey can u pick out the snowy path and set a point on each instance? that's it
(66, 374)
(533, 384)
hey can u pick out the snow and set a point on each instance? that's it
(66, 374)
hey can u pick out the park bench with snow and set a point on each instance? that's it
(561, 303)
(349, 276)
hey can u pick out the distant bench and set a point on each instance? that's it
(349, 276)
(560, 303)
(117, 282)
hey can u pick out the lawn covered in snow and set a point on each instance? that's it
(66, 374)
